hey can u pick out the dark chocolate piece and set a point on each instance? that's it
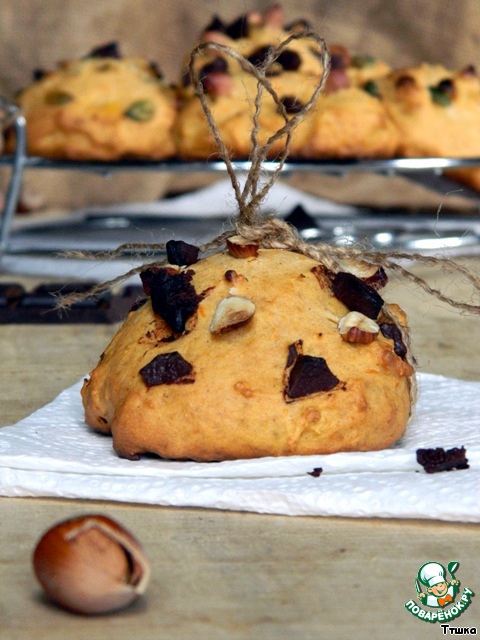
(239, 28)
(436, 460)
(109, 50)
(173, 296)
(309, 375)
(259, 56)
(181, 253)
(356, 294)
(289, 60)
(392, 332)
(292, 104)
(216, 24)
(219, 65)
(167, 368)
(39, 306)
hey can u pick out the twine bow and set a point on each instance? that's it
(269, 231)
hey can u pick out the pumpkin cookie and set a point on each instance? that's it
(230, 90)
(101, 107)
(251, 353)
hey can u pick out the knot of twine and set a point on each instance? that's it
(269, 231)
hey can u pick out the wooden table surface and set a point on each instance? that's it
(225, 575)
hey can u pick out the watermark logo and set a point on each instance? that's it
(439, 593)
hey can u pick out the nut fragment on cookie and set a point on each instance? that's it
(239, 247)
(355, 327)
(231, 313)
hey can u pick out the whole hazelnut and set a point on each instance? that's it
(91, 565)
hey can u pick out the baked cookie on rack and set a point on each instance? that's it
(254, 352)
(101, 107)
(437, 113)
(350, 120)
(230, 91)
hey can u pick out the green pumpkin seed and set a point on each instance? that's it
(140, 110)
(360, 62)
(440, 97)
(58, 98)
(371, 87)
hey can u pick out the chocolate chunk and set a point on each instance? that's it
(216, 24)
(258, 57)
(289, 60)
(356, 294)
(436, 460)
(405, 81)
(469, 71)
(39, 74)
(378, 279)
(173, 296)
(167, 368)
(109, 50)
(392, 332)
(181, 253)
(10, 294)
(155, 69)
(292, 104)
(309, 375)
(338, 61)
(219, 64)
(239, 28)
(316, 473)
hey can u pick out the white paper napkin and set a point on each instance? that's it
(53, 453)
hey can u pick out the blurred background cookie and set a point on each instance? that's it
(100, 107)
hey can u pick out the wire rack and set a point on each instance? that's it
(427, 171)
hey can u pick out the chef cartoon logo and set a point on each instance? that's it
(438, 591)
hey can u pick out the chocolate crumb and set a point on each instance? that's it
(316, 473)
(436, 460)
(167, 368)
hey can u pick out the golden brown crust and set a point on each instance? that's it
(348, 123)
(236, 406)
(435, 110)
(100, 109)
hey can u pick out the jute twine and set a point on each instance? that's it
(269, 231)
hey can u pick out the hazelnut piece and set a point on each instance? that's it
(370, 273)
(240, 247)
(91, 564)
(231, 313)
(358, 328)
